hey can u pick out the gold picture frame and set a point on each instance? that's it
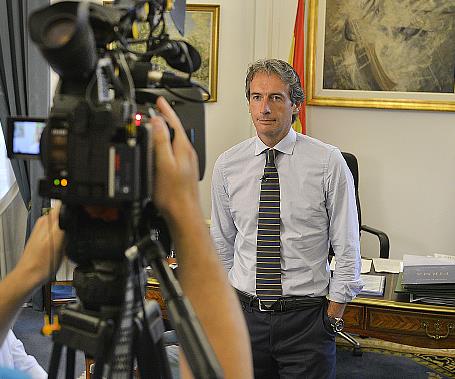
(348, 53)
(202, 24)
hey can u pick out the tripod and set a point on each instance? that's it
(114, 337)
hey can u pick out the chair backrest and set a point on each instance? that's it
(351, 160)
(384, 244)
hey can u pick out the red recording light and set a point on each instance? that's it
(138, 118)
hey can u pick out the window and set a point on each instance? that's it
(7, 178)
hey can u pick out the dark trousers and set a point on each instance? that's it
(292, 344)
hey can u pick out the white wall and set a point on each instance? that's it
(406, 158)
(227, 120)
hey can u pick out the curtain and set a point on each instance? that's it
(24, 90)
(12, 213)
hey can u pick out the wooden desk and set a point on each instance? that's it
(393, 318)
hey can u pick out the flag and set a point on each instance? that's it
(296, 59)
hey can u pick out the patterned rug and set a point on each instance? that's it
(402, 360)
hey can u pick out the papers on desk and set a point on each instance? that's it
(393, 266)
(373, 285)
(366, 265)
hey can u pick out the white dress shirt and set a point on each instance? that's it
(318, 208)
(13, 356)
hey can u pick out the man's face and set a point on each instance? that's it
(270, 107)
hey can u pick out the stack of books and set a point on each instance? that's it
(429, 280)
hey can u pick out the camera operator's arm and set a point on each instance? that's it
(201, 275)
(41, 258)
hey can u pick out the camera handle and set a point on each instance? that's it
(200, 355)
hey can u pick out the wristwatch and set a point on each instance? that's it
(337, 324)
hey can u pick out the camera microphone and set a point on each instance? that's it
(167, 78)
(145, 73)
(179, 55)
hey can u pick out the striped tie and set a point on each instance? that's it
(268, 269)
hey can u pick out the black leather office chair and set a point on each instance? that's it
(384, 245)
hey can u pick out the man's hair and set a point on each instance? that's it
(281, 69)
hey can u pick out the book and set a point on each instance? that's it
(419, 270)
(373, 285)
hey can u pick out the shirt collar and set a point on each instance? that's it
(285, 146)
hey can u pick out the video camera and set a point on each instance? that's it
(95, 146)
(96, 150)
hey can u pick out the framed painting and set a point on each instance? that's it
(202, 32)
(381, 54)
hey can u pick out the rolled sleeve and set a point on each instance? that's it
(344, 230)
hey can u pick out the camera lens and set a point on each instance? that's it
(65, 37)
(59, 32)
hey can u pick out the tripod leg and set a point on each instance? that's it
(148, 345)
(55, 361)
(70, 362)
(99, 366)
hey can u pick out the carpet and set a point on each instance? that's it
(382, 359)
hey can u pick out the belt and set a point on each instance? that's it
(283, 304)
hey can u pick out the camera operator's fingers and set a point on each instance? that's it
(176, 168)
(171, 117)
(161, 139)
(44, 249)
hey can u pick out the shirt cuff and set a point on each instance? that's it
(344, 292)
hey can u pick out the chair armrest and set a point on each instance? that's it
(384, 245)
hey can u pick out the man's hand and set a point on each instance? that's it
(41, 259)
(43, 252)
(335, 309)
(176, 196)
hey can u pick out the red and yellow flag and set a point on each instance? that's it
(296, 59)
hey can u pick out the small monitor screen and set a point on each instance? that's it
(26, 136)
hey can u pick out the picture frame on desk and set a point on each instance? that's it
(380, 55)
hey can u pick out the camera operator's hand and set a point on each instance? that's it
(176, 165)
(201, 275)
(43, 251)
(40, 260)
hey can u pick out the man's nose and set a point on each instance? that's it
(265, 109)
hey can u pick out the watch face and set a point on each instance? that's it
(337, 324)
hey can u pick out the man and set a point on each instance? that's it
(278, 200)
(176, 195)
(14, 356)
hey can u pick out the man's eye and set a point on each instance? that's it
(276, 98)
(255, 97)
